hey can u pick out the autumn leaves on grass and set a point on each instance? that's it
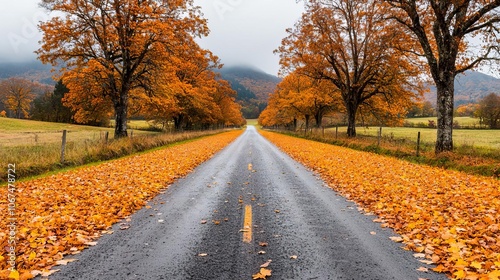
(450, 217)
(64, 213)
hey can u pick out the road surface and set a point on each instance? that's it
(254, 199)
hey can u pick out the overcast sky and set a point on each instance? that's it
(242, 31)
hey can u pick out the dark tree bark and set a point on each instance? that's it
(178, 120)
(445, 109)
(318, 117)
(308, 118)
(121, 111)
(351, 108)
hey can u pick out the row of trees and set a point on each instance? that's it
(487, 110)
(21, 98)
(299, 97)
(375, 54)
(127, 57)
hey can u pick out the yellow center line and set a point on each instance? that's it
(247, 224)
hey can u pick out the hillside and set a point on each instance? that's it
(253, 87)
(469, 88)
(34, 71)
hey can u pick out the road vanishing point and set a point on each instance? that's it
(249, 204)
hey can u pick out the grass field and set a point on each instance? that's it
(35, 147)
(137, 124)
(14, 132)
(464, 121)
(461, 137)
(253, 122)
(475, 151)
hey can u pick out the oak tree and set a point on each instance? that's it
(443, 30)
(127, 42)
(17, 95)
(489, 110)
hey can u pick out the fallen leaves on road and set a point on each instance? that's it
(58, 215)
(262, 274)
(451, 217)
(423, 269)
(396, 239)
(266, 264)
(65, 261)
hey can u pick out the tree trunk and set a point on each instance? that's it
(352, 109)
(308, 117)
(294, 124)
(178, 122)
(318, 117)
(445, 91)
(121, 111)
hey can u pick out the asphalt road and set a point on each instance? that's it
(291, 210)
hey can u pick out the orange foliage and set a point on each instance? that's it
(64, 213)
(87, 97)
(300, 97)
(130, 44)
(451, 217)
(17, 95)
(192, 93)
(353, 46)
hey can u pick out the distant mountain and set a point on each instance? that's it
(253, 87)
(34, 71)
(469, 88)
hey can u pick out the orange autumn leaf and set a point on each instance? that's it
(262, 274)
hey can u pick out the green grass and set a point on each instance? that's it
(35, 147)
(14, 132)
(475, 151)
(462, 137)
(138, 124)
(464, 121)
(253, 122)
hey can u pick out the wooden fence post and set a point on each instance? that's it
(106, 137)
(336, 132)
(418, 144)
(379, 136)
(63, 146)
